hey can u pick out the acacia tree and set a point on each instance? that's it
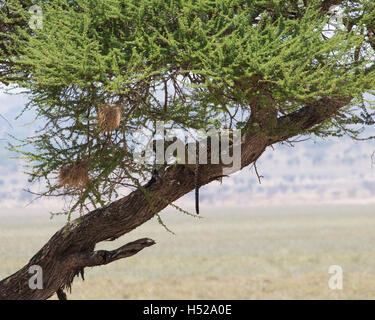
(274, 69)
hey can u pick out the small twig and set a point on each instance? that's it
(6, 120)
(257, 173)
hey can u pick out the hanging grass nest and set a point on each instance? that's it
(74, 175)
(109, 117)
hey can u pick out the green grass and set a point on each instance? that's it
(230, 254)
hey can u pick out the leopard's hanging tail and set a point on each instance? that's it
(197, 179)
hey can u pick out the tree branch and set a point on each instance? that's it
(76, 242)
(103, 257)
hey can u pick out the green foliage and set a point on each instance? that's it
(212, 59)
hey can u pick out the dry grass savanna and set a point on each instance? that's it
(273, 253)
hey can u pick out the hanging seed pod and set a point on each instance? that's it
(109, 117)
(74, 175)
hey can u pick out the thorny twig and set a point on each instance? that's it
(257, 173)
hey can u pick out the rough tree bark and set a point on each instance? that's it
(71, 250)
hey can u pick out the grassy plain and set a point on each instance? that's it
(273, 253)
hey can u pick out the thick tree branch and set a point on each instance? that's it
(102, 257)
(77, 241)
(309, 116)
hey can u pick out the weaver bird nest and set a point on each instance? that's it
(75, 175)
(109, 117)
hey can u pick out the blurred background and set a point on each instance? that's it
(274, 240)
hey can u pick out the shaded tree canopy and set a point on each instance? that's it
(192, 64)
